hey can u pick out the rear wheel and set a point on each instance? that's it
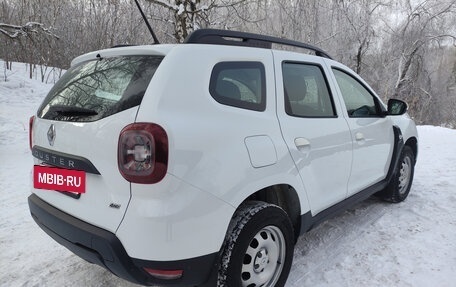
(258, 248)
(399, 187)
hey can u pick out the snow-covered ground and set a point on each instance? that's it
(373, 244)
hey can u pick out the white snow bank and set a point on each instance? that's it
(374, 244)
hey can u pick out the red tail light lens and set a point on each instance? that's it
(143, 153)
(32, 119)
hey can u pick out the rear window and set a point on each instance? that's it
(96, 89)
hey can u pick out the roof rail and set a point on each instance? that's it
(122, 45)
(234, 38)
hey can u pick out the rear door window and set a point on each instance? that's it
(96, 89)
(306, 91)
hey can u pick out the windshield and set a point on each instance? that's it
(96, 89)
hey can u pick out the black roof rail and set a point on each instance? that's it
(122, 45)
(234, 38)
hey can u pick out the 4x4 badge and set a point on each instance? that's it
(51, 135)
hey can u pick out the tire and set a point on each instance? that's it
(258, 247)
(399, 187)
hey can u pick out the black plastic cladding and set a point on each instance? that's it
(103, 248)
(234, 38)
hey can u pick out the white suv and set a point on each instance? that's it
(201, 163)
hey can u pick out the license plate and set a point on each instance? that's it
(53, 178)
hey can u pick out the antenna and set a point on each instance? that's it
(147, 23)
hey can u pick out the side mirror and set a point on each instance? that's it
(396, 107)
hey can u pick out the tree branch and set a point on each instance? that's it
(15, 32)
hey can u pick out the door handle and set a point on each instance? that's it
(301, 143)
(359, 136)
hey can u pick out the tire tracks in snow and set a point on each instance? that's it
(324, 247)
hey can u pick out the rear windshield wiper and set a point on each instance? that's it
(70, 111)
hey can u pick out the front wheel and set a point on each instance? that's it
(258, 248)
(399, 187)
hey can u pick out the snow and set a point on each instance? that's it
(412, 243)
(181, 9)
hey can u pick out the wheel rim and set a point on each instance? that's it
(263, 260)
(405, 174)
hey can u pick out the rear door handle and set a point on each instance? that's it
(301, 143)
(359, 136)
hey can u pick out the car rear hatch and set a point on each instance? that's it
(75, 134)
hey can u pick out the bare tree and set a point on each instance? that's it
(190, 15)
(360, 19)
(417, 32)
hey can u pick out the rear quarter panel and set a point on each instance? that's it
(207, 139)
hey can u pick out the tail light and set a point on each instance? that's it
(143, 153)
(32, 119)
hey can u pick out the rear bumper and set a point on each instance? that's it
(102, 247)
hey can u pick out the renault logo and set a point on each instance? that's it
(51, 135)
